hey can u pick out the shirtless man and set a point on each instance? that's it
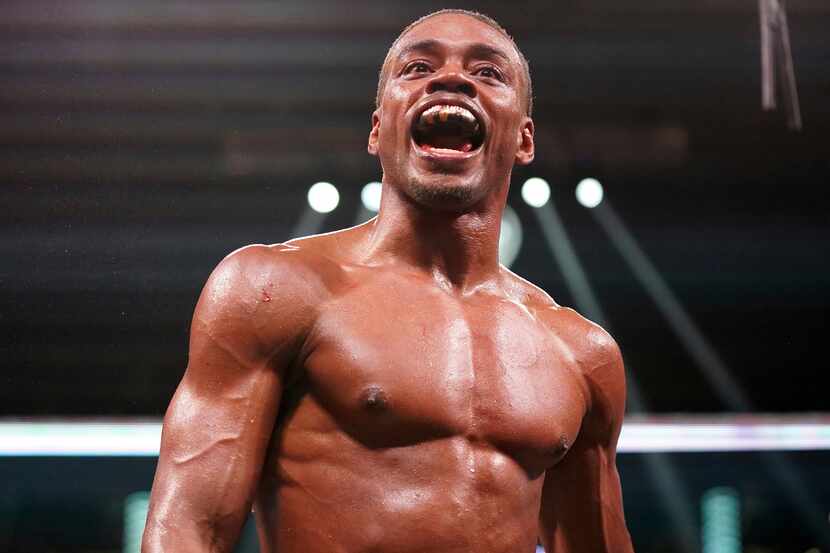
(390, 388)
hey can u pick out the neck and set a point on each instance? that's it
(458, 249)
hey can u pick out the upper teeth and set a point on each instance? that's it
(444, 112)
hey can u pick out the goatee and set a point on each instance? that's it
(441, 195)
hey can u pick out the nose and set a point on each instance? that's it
(451, 81)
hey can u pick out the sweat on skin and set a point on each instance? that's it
(399, 390)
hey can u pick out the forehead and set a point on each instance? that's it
(457, 30)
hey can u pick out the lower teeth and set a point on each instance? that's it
(466, 147)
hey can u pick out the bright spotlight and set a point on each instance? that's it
(323, 197)
(370, 196)
(510, 237)
(589, 192)
(536, 192)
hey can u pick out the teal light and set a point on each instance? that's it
(721, 516)
(135, 515)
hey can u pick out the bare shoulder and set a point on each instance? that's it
(264, 297)
(593, 351)
(260, 273)
(592, 346)
(291, 278)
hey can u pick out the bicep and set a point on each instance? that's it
(219, 423)
(582, 507)
(582, 503)
(214, 441)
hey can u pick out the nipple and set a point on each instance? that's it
(374, 398)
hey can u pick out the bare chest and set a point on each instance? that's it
(397, 367)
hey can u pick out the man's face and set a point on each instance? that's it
(452, 118)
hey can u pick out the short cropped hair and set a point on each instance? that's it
(384, 69)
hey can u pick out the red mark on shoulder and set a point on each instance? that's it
(266, 296)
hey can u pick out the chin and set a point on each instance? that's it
(445, 192)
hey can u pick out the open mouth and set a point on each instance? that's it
(447, 129)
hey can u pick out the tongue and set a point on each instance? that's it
(449, 143)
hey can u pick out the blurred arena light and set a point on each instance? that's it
(113, 438)
(135, 515)
(536, 192)
(369, 202)
(589, 192)
(323, 197)
(720, 512)
(510, 237)
(370, 196)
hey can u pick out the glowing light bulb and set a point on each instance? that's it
(510, 237)
(536, 192)
(370, 196)
(589, 192)
(323, 197)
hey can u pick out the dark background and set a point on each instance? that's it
(142, 141)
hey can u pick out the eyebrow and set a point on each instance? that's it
(426, 45)
(481, 50)
(477, 50)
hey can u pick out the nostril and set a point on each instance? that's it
(436, 86)
(467, 88)
(462, 88)
(452, 84)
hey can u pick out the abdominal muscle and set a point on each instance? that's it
(324, 492)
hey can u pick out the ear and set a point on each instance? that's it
(373, 134)
(526, 148)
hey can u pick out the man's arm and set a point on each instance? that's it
(219, 422)
(582, 507)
